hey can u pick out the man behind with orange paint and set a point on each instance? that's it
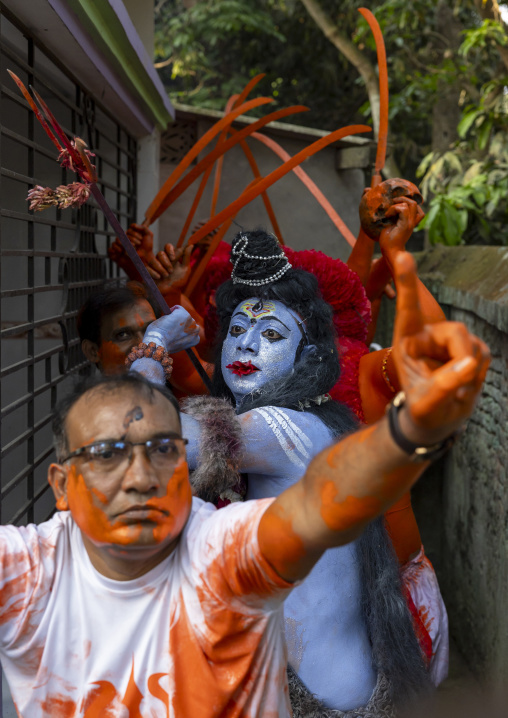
(111, 323)
(139, 599)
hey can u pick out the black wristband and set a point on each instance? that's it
(416, 452)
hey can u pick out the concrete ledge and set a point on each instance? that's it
(472, 278)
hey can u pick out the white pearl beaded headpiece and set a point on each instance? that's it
(239, 251)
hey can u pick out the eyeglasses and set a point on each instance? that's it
(108, 456)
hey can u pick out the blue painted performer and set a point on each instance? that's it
(350, 636)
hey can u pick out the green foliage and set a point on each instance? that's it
(213, 47)
(471, 179)
(488, 35)
(210, 48)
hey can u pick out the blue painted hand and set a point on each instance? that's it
(174, 332)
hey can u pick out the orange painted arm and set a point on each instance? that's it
(392, 243)
(361, 255)
(441, 368)
(403, 530)
(376, 370)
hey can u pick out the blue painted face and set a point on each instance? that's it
(261, 345)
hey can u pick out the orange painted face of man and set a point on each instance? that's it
(126, 481)
(120, 332)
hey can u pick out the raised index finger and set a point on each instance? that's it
(408, 317)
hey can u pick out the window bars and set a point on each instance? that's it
(50, 261)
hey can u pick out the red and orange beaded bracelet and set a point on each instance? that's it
(151, 351)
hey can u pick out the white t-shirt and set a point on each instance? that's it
(200, 635)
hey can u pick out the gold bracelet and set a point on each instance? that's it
(385, 373)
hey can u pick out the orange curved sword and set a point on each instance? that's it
(311, 186)
(383, 95)
(160, 204)
(256, 189)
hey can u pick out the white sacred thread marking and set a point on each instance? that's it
(294, 432)
(155, 335)
(283, 442)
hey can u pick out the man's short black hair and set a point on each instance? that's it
(107, 384)
(112, 299)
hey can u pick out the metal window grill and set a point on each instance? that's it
(50, 261)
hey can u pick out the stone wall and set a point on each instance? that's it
(462, 502)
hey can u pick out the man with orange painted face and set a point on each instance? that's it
(138, 599)
(111, 322)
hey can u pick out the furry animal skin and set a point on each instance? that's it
(220, 448)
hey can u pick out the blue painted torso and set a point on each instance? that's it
(325, 631)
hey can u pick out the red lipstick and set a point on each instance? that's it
(242, 368)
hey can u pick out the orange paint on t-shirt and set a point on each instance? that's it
(59, 707)
(100, 701)
(209, 645)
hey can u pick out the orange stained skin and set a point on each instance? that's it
(62, 504)
(374, 391)
(99, 495)
(112, 358)
(402, 528)
(276, 530)
(120, 332)
(167, 515)
(349, 513)
(442, 364)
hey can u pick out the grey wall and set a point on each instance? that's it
(462, 502)
(304, 225)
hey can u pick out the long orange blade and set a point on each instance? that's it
(233, 102)
(199, 270)
(383, 94)
(195, 203)
(219, 150)
(251, 193)
(159, 204)
(311, 186)
(266, 200)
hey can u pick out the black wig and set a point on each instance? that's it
(317, 370)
